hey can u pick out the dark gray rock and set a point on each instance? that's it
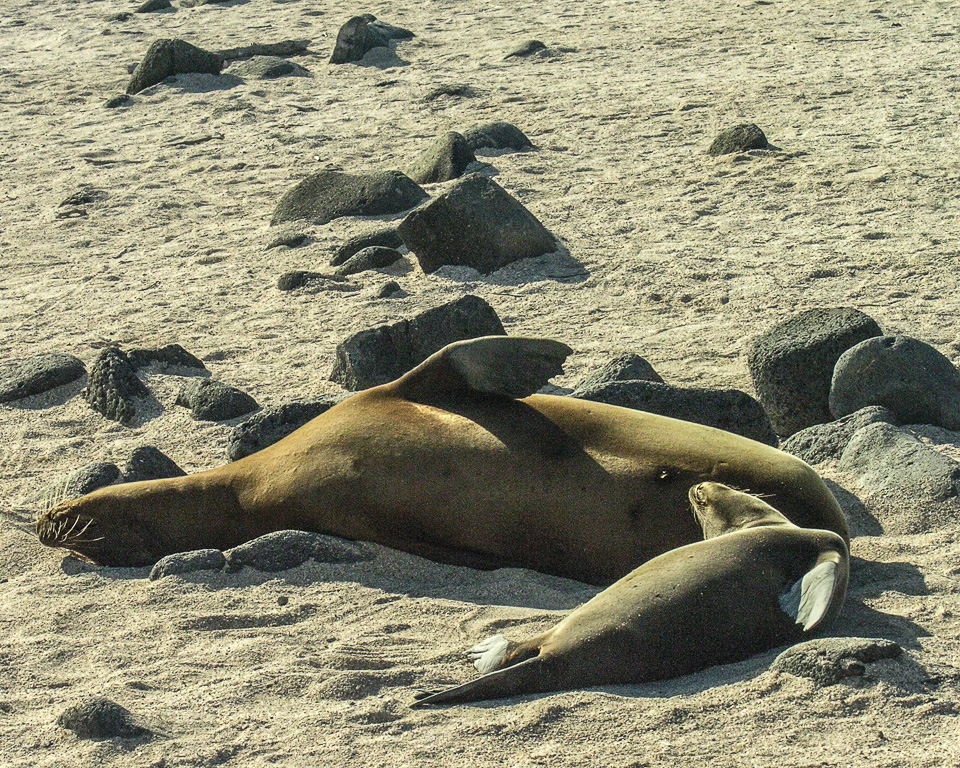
(283, 550)
(526, 48)
(792, 364)
(389, 31)
(273, 424)
(84, 196)
(888, 461)
(328, 195)
(497, 135)
(78, 483)
(267, 68)
(446, 159)
(315, 281)
(210, 400)
(38, 374)
(829, 660)
(374, 257)
(390, 290)
(355, 39)
(727, 409)
(188, 562)
(911, 378)
(112, 386)
(382, 354)
(475, 223)
(624, 367)
(283, 48)
(99, 718)
(297, 278)
(172, 57)
(152, 6)
(387, 237)
(289, 237)
(738, 138)
(453, 90)
(827, 441)
(149, 463)
(120, 100)
(171, 355)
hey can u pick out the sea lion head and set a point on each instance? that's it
(720, 509)
(98, 529)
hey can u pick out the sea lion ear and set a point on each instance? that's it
(817, 597)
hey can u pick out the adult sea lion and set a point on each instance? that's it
(758, 581)
(447, 463)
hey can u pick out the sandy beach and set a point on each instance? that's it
(666, 252)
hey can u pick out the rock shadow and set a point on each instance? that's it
(862, 521)
(558, 266)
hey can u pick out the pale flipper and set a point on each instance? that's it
(816, 598)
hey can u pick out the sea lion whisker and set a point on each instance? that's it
(74, 525)
(74, 542)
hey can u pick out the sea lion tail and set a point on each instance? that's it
(525, 677)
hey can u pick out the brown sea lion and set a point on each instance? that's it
(758, 581)
(447, 463)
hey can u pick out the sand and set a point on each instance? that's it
(667, 252)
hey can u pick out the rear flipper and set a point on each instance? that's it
(511, 366)
(815, 599)
(497, 652)
(520, 679)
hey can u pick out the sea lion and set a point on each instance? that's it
(758, 581)
(447, 463)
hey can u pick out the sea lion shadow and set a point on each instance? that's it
(870, 578)
(860, 620)
(862, 521)
(72, 566)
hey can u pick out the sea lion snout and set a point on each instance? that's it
(90, 533)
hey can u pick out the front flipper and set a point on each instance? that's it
(816, 598)
(511, 366)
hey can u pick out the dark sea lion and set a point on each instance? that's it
(447, 463)
(758, 581)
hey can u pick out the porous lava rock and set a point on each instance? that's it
(446, 159)
(328, 195)
(113, 386)
(727, 409)
(378, 355)
(38, 374)
(210, 400)
(273, 424)
(792, 363)
(172, 57)
(738, 138)
(474, 223)
(497, 135)
(908, 376)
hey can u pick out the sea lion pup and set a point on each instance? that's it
(448, 463)
(758, 581)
